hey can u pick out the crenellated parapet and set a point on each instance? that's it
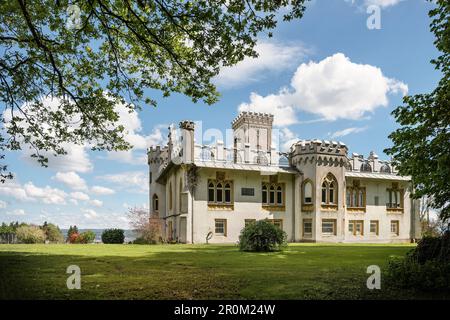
(320, 152)
(255, 118)
(157, 155)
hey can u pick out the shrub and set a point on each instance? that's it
(426, 267)
(30, 234)
(113, 236)
(262, 236)
(73, 238)
(84, 237)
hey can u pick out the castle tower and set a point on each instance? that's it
(322, 187)
(253, 129)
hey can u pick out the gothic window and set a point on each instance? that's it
(307, 192)
(272, 194)
(220, 192)
(264, 194)
(155, 203)
(279, 196)
(227, 193)
(385, 168)
(211, 192)
(356, 196)
(324, 192)
(394, 197)
(329, 190)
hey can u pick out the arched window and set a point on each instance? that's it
(279, 196)
(219, 193)
(329, 190)
(385, 168)
(211, 192)
(365, 167)
(170, 196)
(307, 192)
(227, 193)
(324, 192)
(361, 199)
(264, 194)
(155, 203)
(348, 198)
(272, 195)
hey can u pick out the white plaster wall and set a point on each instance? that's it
(245, 207)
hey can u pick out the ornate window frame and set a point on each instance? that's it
(223, 194)
(329, 193)
(356, 198)
(273, 193)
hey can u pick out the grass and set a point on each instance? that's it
(302, 271)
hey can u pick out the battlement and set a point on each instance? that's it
(258, 118)
(319, 147)
(157, 155)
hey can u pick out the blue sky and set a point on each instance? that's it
(326, 76)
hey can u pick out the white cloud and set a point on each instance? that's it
(334, 88)
(286, 138)
(16, 212)
(131, 181)
(102, 191)
(96, 203)
(30, 192)
(133, 134)
(2, 204)
(382, 3)
(71, 179)
(347, 131)
(273, 57)
(90, 214)
(79, 196)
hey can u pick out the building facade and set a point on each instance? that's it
(315, 192)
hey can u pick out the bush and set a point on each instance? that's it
(30, 234)
(262, 236)
(84, 237)
(73, 238)
(113, 236)
(426, 267)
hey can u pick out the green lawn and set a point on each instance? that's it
(303, 271)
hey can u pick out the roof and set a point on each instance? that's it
(375, 175)
(265, 170)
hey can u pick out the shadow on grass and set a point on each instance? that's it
(197, 272)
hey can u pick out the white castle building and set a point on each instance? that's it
(316, 192)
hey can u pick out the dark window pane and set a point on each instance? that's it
(228, 195)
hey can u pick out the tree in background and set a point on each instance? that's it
(30, 234)
(91, 55)
(52, 233)
(148, 228)
(71, 231)
(421, 146)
